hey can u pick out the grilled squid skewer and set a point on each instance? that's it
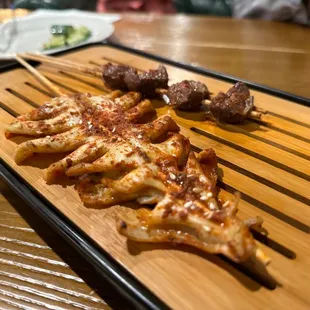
(116, 159)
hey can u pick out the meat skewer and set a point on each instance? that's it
(232, 107)
(186, 95)
(118, 77)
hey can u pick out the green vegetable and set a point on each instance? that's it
(63, 35)
(79, 35)
(55, 42)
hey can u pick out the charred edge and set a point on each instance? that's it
(101, 88)
(275, 144)
(72, 90)
(253, 154)
(42, 91)
(22, 97)
(276, 213)
(8, 109)
(120, 63)
(291, 134)
(263, 279)
(260, 179)
(123, 225)
(289, 119)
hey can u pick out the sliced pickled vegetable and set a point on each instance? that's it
(63, 35)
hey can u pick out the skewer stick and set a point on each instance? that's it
(161, 91)
(260, 110)
(254, 114)
(64, 65)
(163, 94)
(41, 78)
(262, 257)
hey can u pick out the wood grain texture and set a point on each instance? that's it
(267, 164)
(32, 273)
(271, 53)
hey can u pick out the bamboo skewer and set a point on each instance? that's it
(255, 114)
(41, 78)
(64, 64)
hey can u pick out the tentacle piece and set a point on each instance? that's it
(141, 184)
(60, 143)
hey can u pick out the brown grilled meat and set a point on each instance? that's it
(127, 78)
(119, 160)
(234, 106)
(114, 75)
(187, 95)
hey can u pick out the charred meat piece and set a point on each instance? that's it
(132, 80)
(188, 95)
(153, 79)
(113, 75)
(234, 106)
(147, 82)
(127, 78)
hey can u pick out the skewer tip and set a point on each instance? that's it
(255, 115)
(262, 257)
(161, 91)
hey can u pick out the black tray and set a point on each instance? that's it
(106, 266)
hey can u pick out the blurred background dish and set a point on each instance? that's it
(30, 33)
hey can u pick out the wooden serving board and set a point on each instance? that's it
(268, 164)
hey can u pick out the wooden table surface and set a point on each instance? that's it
(271, 53)
(39, 270)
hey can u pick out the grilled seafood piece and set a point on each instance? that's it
(66, 122)
(108, 151)
(193, 215)
(119, 159)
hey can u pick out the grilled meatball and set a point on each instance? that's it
(113, 75)
(188, 95)
(132, 80)
(127, 78)
(234, 106)
(147, 82)
(153, 79)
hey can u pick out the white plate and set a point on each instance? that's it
(29, 33)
